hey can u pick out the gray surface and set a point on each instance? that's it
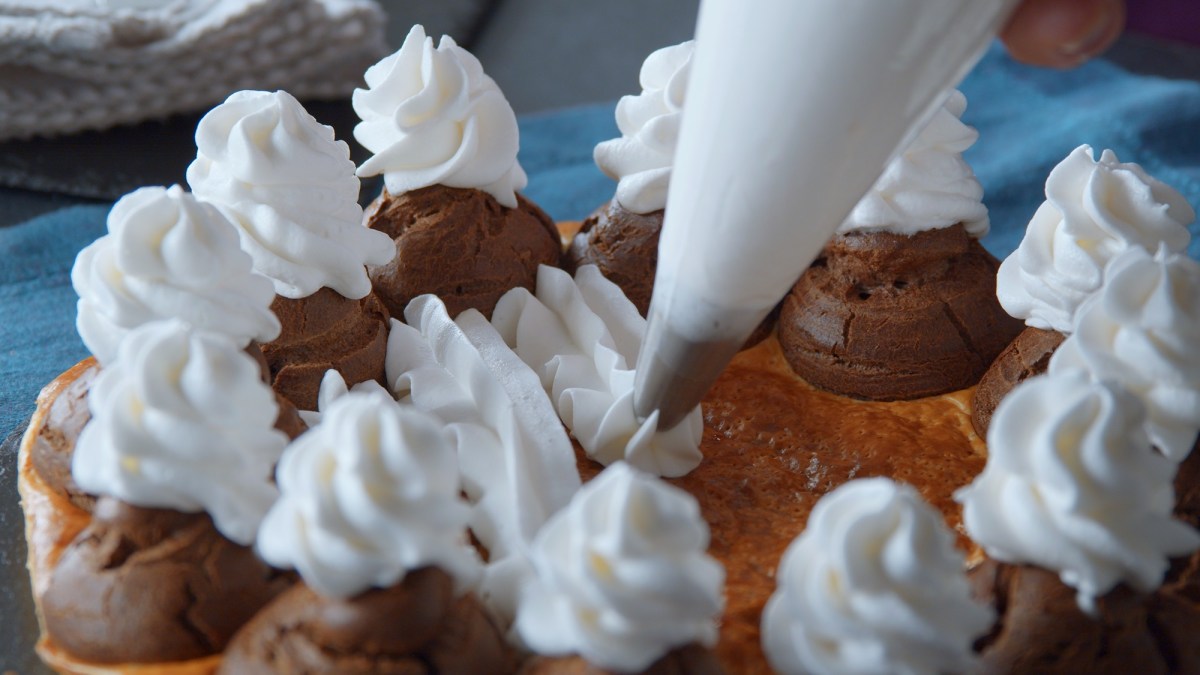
(554, 53)
(460, 19)
(18, 627)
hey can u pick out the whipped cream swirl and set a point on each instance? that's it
(1093, 211)
(182, 420)
(367, 496)
(582, 337)
(516, 462)
(1072, 485)
(928, 186)
(432, 117)
(622, 576)
(641, 159)
(873, 585)
(167, 255)
(1142, 329)
(290, 187)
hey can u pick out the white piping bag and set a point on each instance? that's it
(794, 109)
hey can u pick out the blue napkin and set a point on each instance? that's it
(1028, 119)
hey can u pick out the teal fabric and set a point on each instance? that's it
(37, 304)
(1028, 120)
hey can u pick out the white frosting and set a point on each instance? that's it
(517, 464)
(927, 186)
(873, 585)
(1093, 211)
(431, 116)
(333, 386)
(290, 187)
(1072, 485)
(167, 255)
(182, 420)
(640, 160)
(622, 576)
(367, 496)
(582, 337)
(1142, 329)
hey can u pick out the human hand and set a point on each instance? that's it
(1062, 33)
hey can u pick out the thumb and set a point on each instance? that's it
(1063, 33)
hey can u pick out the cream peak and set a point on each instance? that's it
(432, 117)
(1093, 211)
(289, 186)
(641, 159)
(1072, 485)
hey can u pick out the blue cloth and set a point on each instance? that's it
(1028, 119)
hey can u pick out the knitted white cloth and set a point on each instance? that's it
(70, 65)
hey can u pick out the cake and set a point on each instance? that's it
(470, 491)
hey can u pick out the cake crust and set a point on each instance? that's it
(53, 446)
(688, 660)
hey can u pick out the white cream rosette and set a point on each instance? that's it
(1093, 211)
(873, 585)
(167, 255)
(182, 420)
(333, 386)
(432, 117)
(929, 185)
(1072, 485)
(367, 496)
(290, 188)
(622, 576)
(641, 159)
(1142, 329)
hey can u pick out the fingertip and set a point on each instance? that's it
(1063, 33)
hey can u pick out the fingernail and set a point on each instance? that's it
(1097, 34)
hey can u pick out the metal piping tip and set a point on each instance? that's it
(674, 373)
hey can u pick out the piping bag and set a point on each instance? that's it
(794, 109)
